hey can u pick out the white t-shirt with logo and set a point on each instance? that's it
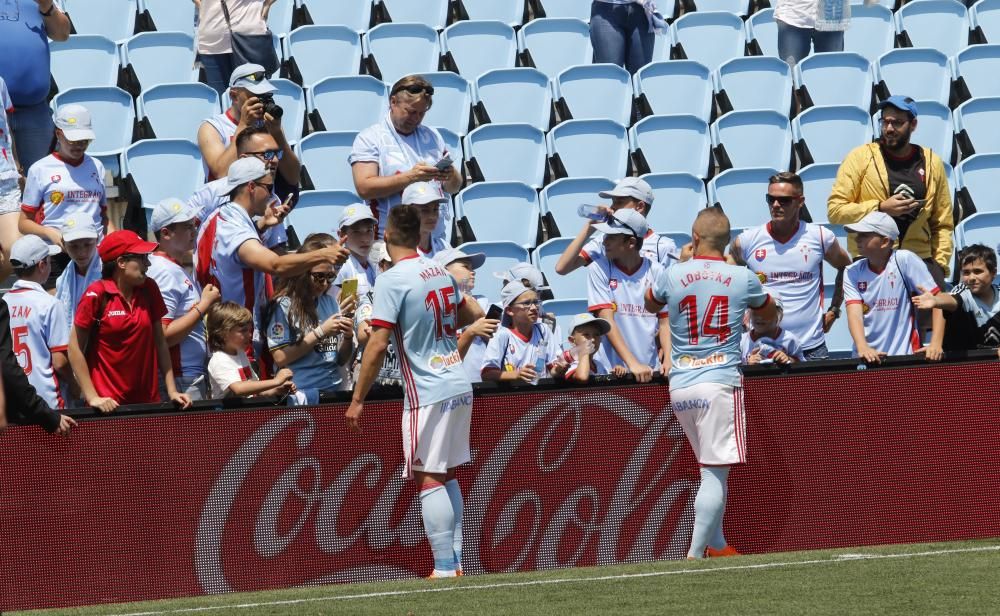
(37, 329)
(225, 369)
(180, 294)
(608, 286)
(55, 189)
(768, 346)
(510, 351)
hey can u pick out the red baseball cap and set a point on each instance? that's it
(122, 243)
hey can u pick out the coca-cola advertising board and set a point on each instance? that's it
(138, 508)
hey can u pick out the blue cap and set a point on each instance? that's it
(903, 103)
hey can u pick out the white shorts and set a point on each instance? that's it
(436, 436)
(714, 421)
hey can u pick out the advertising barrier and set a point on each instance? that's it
(180, 504)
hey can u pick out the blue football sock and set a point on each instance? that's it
(458, 506)
(717, 541)
(709, 505)
(439, 522)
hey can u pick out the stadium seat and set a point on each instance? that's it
(560, 199)
(680, 239)
(399, 49)
(935, 128)
(678, 199)
(476, 47)
(978, 229)
(737, 7)
(977, 183)
(454, 143)
(838, 340)
(711, 38)
(324, 160)
(565, 310)
(514, 96)
(984, 17)
(500, 211)
(763, 30)
(154, 58)
(84, 60)
(112, 115)
(510, 12)
(817, 184)
(595, 91)
(159, 168)
(114, 19)
(921, 73)
(872, 32)
(432, 13)
(580, 9)
(355, 15)
(675, 87)
(740, 193)
(889, 4)
(170, 15)
(553, 45)
(279, 19)
(938, 24)
(545, 257)
(292, 100)
(347, 103)
(500, 257)
(826, 134)
(757, 138)
(976, 68)
(755, 82)
(317, 211)
(834, 78)
(452, 108)
(507, 152)
(176, 110)
(589, 148)
(672, 144)
(977, 123)
(318, 52)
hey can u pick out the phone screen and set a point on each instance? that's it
(348, 288)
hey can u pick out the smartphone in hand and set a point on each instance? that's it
(349, 288)
(444, 164)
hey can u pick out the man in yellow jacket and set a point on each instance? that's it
(903, 180)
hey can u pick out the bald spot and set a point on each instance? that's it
(712, 226)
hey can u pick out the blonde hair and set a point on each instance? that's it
(221, 319)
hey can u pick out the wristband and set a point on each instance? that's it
(198, 310)
(318, 332)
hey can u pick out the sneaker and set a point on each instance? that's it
(726, 551)
(440, 575)
(458, 573)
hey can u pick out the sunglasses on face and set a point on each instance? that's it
(255, 77)
(267, 187)
(782, 201)
(323, 277)
(269, 155)
(416, 89)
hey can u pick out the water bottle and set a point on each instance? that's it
(593, 212)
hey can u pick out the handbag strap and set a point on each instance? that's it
(225, 13)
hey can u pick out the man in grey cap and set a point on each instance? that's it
(429, 199)
(630, 194)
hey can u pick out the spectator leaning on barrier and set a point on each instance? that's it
(585, 341)
(215, 47)
(173, 222)
(428, 199)
(79, 235)
(787, 255)
(525, 350)
(400, 150)
(472, 339)
(11, 181)
(767, 342)
(117, 346)
(903, 180)
(356, 229)
(816, 23)
(388, 373)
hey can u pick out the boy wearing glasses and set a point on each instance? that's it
(356, 228)
(526, 350)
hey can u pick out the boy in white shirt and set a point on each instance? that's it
(473, 339)
(767, 342)
(526, 350)
(356, 229)
(586, 339)
(79, 235)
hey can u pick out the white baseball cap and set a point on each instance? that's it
(511, 291)
(525, 271)
(625, 222)
(379, 253)
(251, 77)
(245, 170)
(449, 255)
(630, 187)
(169, 211)
(422, 193)
(74, 121)
(879, 223)
(78, 226)
(355, 213)
(586, 319)
(31, 250)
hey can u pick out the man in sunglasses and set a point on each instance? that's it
(787, 255)
(400, 150)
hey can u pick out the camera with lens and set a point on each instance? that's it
(270, 107)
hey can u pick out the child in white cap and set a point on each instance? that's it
(766, 342)
(585, 339)
(471, 340)
(526, 350)
(356, 229)
(79, 235)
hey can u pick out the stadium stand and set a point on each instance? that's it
(316, 52)
(738, 192)
(977, 183)
(976, 68)
(736, 7)
(594, 91)
(711, 38)
(978, 229)
(675, 87)
(564, 310)
(762, 33)
(755, 82)
(324, 160)
(580, 9)
(560, 199)
(976, 123)
(514, 96)
(431, 13)
(817, 183)
(169, 15)
(499, 211)
(452, 109)
(318, 211)
(355, 15)
(938, 24)
(826, 134)
(510, 13)
(395, 50)
(500, 257)
(921, 73)
(506, 152)
(672, 144)
(588, 148)
(553, 45)
(154, 169)
(544, 258)
(84, 60)
(737, 137)
(279, 19)
(175, 110)
(872, 31)
(154, 58)
(678, 199)
(475, 47)
(113, 19)
(984, 17)
(834, 78)
(347, 103)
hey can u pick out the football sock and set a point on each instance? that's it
(709, 505)
(439, 522)
(457, 506)
(717, 540)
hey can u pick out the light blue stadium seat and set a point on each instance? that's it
(977, 181)
(508, 153)
(935, 128)
(920, 73)
(479, 46)
(753, 139)
(985, 19)
(672, 144)
(324, 160)
(817, 184)
(580, 9)
(675, 87)
(834, 78)
(679, 238)
(454, 143)
(561, 198)
(755, 82)
(452, 102)
(889, 4)
(976, 68)
(872, 32)
(160, 57)
(292, 100)
(978, 229)
(432, 13)
(678, 197)
(84, 60)
(737, 7)
(114, 19)
(711, 38)
(838, 340)
(176, 110)
(762, 28)
(555, 44)
(590, 148)
(826, 134)
(279, 19)
(978, 124)
(514, 96)
(112, 115)
(571, 285)
(317, 211)
(565, 310)
(347, 103)
(401, 49)
(595, 91)
(939, 24)
(319, 52)
(500, 211)
(741, 194)
(500, 257)
(170, 15)
(356, 15)
(161, 168)
(510, 12)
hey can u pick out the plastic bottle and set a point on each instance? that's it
(593, 212)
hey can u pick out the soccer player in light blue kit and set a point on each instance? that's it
(706, 299)
(419, 304)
